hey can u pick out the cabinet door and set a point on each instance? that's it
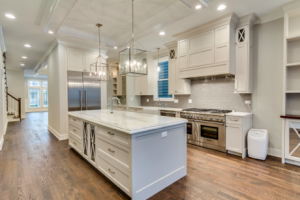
(241, 68)
(119, 84)
(85, 143)
(75, 59)
(92, 144)
(222, 35)
(222, 53)
(182, 47)
(179, 83)
(138, 85)
(172, 76)
(89, 59)
(233, 138)
(242, 35)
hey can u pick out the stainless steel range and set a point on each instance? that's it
(206, 127)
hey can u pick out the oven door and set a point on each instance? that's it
(212, 133)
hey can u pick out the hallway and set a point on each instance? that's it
(35, 165)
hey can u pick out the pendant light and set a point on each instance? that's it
(158, 67)
(99, 70)
(133, 61)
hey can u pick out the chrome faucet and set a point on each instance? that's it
(112, 105)
(159, 104)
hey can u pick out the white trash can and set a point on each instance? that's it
(258, 144)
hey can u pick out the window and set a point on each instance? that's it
(163, 81)
(45, 97)
(38, 93)
(34, 98)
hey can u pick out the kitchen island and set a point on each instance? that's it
(141, 153)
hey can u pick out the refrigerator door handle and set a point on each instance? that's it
(80, 100)
(85, 100)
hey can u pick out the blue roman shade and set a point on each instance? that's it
(163, 85)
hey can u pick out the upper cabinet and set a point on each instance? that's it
(177, 86)
(75, 59)
(80, 59)
(208, 49)
(243, 54)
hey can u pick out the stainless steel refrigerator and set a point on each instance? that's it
(82, 93)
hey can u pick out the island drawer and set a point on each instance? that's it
(114, 135)
(75, 121)
(75, 144)
(137, 110)
(118, 153)
(234, 120)
(122, 108)
(119, 176)
(76, 131)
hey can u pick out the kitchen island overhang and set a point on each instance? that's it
(141, 153)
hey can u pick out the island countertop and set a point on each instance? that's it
(127, 122)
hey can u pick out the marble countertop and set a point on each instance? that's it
(239, 114)
(127, 122)
(157, 108)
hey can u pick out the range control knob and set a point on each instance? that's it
(222, 119)
(210, 118)
(217, 119)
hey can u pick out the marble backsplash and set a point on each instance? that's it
(216, 94)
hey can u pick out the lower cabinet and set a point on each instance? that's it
(237, 128)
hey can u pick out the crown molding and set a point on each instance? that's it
(230, 18)
(291, 6)
(269, 17)
(247, 20)
(171, 45)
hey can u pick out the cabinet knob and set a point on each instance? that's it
(111, 171)
(110, 133)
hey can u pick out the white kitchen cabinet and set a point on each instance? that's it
(243, 54)
(90, 58)
(237, 127)
(75, 59)
(144, 84)
(177, 86)
(182, 54)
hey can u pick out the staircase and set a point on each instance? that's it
(13, 104)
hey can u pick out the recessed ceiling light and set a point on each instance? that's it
(106, 56)
(24, 57)
(115, 47)
(50, 32)
(221, 7)
(10, 16)
(27, 45)
(198, 6)
(162, 33)
(128, 47)
(22, 64)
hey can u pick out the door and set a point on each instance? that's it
(91, 93)
(233, 138)
(75, 91)
(138, 85)
(241, 66)
(75, 59)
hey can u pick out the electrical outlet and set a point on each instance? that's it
(147, 100)
(131, 99)
(175, 100)
(248, 102)
(164, 134)
(190, 101)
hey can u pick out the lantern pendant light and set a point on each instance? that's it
(133, 61)
(99, 70)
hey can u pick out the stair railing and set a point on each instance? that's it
(14, 105)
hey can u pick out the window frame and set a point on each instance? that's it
(156, 80)
(41, 87)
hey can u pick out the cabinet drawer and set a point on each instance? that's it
(122, 108)
(234, 120)
(75, 144)
(75, 121)
(137, 110)
(75, 131)
(118, 153)
(114, 135)
(118, 176)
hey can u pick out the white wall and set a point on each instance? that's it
(268, 80)
(26, 93)
(15, 84)
(57, 93)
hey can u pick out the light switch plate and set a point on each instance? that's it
(147, 100)
(131, 99)
(248, 102)
(175, 100)
(190, 101)
(164, 134)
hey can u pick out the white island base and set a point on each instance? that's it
(130, 148)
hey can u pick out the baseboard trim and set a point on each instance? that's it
(57, 135)
(275, 152)
(30, 111)
(1, 142)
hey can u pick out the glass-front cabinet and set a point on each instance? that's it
(89, 144)
(292, 139)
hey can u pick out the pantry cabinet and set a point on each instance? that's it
(177, 85)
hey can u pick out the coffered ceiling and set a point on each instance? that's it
(74, 21)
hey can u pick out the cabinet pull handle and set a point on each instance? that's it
(111, 171)
(74, 130)
(110, 133)
(234, 120)
(111, 150)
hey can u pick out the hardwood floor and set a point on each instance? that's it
(35, 165)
